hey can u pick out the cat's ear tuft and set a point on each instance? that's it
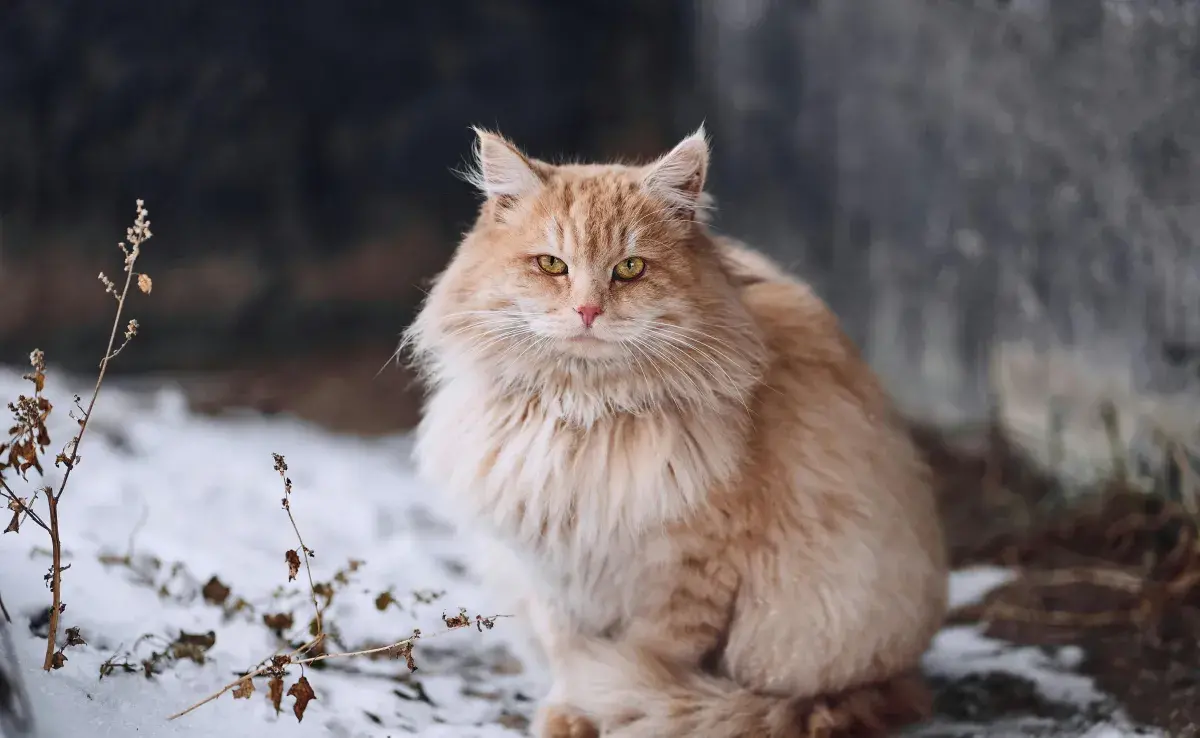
(678, 177)
(501, 171)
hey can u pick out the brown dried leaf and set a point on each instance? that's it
(383, 600)
(74, 638)
(215, 592)
(461, 620)
(275, 692)
(58, 661)
(323, 590)
(199, 640)
(279, 621)
(145, 284)
(304, 694)
(404, 650)
(244, 689)
(14, 525)
(193, 645)
(293, 562)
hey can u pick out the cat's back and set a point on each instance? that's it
(836, 489)
(809, 350)
(820, 408)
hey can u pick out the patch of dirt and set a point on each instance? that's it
(989, 698)
(1118, 576)
(987, 491)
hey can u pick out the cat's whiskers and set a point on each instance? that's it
(648, 358)
(679, 335)
(528, 341)
(484, 325)
(663, 351)
(688, 332)
(506, 337)
(637, 361)
(711, 381)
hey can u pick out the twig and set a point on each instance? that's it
(281, 467)
(25, 508)
(1101, 577)
(137, 235)
(1111, 420)
(402, 646)
(1189, 486)
(55, 582)
(1060, 618)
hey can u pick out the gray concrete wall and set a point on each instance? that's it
(1001, 199)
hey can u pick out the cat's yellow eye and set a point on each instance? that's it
(629, 269)
(552, 264)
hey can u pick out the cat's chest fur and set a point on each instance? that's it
(573, 502)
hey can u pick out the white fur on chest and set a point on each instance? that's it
(575, 503)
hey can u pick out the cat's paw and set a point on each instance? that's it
(558, 721)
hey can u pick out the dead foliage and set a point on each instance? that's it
(28, 437)
(313, 651)
(152, 654)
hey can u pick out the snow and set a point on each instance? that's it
(969, 586)
(959, 651)
(159, 483)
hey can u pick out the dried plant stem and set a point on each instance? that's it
(281, 467)
(137, 235)
(25, 508)
(257, 672)
(55, 582)
(398, 646)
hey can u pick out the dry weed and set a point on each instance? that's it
(25, 451)
(312, 652)
(29, 437)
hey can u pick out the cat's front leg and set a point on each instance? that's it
(685, 616)
(679, 622)
(556, 718)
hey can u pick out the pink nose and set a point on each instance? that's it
(588, 313)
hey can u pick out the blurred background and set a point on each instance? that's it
(999, 197)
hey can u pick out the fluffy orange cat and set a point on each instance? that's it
(696, 492)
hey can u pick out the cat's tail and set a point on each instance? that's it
(642, 697)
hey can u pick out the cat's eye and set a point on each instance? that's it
(552, 264)
(629, 269)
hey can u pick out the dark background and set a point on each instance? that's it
(955, 176)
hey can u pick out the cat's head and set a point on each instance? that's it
(600, 276)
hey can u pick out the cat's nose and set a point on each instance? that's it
(588, 313)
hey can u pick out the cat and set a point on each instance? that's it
(698, 496)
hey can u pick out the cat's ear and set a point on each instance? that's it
(502, 172)
(678, 177)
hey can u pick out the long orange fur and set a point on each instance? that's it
(704, 505)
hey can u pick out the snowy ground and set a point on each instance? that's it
(158, 484)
